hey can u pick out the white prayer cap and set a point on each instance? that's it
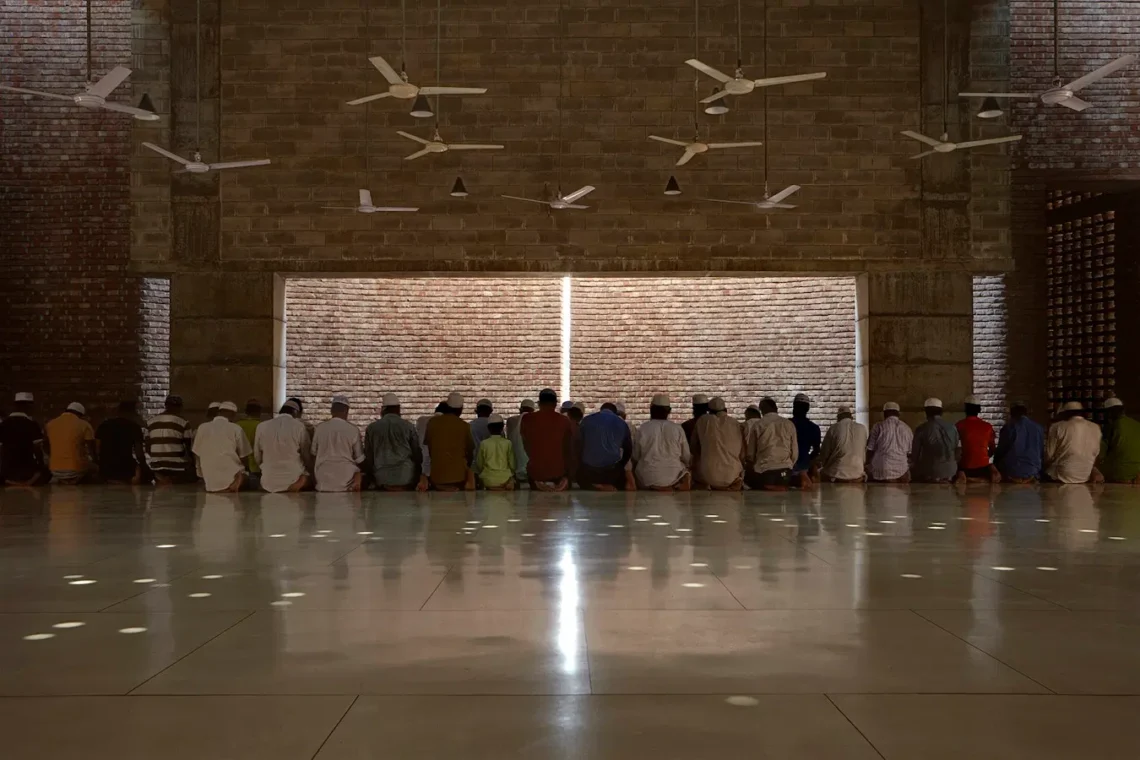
(390, 399)
(1112, 401)
(620, 407)
(716, 404)
(227, 406)
(753, 408)
(567, 405)
(495, 419)
(891, 406)
(933, 402)
(845, 409)
(661, 399)
(580, 406)
(972, 399)
(76, 407)
(801, 398)
(24, 396)
(1072, 406)
(214, 405)
(700, 398)
(340, 399)
(292, 405)
(528, 403)
(484, 402)
(455, 400)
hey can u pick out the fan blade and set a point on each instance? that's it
(420, 140)
(924, 155)
(739, 203)
(138, 113)
(715, 96)
(669, 141)
(452, 90)
(992, 141)
(786, 192)
(109, 82)
(369, 99)
(1122, 62)
(365, 197)
(528, 200)
(165, 152)
(395, 208)
(37, 92)
(385, 69)
(339, 208)
(736, 145)
(579, 194)
(572, 205)
(474, 146)
(1075, 104)
(239, 164)
(922, 138)
(417, 154)
(686, 157)
(995, 95)
(782, 205)
(719, 76)
(773, 81)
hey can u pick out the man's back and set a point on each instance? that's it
(1122, 450)
(394, 446)
(661, 453)
(19, 435)
(248, 426)
(547, 437)
(451, 445)
(844, 450)
(1021, 449)
(934, 455)
(808, 440)
(118, 438)
(721, 441)
(67, 436)
(890, 443)
(1071, 450)
(604, 435)
(167, 441)
(977, 437)
(281, 444)
(772, 443)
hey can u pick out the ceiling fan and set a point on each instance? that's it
(769, 202)
(94, 96)
(1064, 94)
(198, 166)
(367, 207)
(739, 85)
(945, 146)
(436, 145)
(400, 87)
(696, 147)
(560, 201)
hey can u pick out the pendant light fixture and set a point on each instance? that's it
(990, 109)
(672, 187)
(421, 109)
(717, 107)
(459, 190)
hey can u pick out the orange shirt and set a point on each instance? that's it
(977, 437)
(67, 436)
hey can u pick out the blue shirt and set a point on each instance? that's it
(605, 440)
(1020, 449)
(809, 439)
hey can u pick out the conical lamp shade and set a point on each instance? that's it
(991, 109)
(421, 109)
(671, 187)
(459, 190)
(717, 107)
(146, 103)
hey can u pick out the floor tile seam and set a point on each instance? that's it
(854, 725)
(147, 589)
(1007, 584)
(993, 657)
(230, 627)
(442, 578)
(336, 725)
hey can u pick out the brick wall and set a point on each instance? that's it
(68, 313)
(154, 343)
(421, 338)
(991, 337)
(741, 338)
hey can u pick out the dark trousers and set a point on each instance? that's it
(614, 475)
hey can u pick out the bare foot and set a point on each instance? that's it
(604, 487)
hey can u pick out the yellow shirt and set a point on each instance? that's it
(67, 436)
(249, 427)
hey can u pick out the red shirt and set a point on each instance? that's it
(547, 437)
(977, 437)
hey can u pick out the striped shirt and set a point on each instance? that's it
(168, 440)
(889, 447)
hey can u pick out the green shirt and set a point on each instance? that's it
(249, 426)
(495, 461)
(1120, 450)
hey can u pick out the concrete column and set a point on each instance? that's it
(227, 333)
(915, 340)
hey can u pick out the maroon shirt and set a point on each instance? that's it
(548, 437)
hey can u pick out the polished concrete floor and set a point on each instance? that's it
(851, 622)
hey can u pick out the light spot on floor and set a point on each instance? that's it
(69, 624)
(1116, 538)
(937, 527)
(910, 575)
(720, 522)
(324, 531)
(661, 522)
(136, 629)
(693, 585)
(490, 527)
(474, 522)
(853, 525)
(887, 522)
(513, 519)
(743, 701)
(210, 577)
(277, 535)
(602, 534)
(1047, 569)
(1002, 568)
(144, 580)
(684, 530)
(199, 595)
(871, 533)
(364, 533)
(672, 535)
(281, 603)
(527, 535)
(637, 567)
(39, 636)
(712, 515)
(616, 526)
(1042, 519)
(776, 519)
(698, 564)
(293, 594)
(165, 546)
(71, 577)
(82, 582)
(1087, 530)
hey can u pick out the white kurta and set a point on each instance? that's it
(771, 442)
(843, 454)
(661, 453)
(221, 447)
(277, 446)
(338, 452)
(1071, 449)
